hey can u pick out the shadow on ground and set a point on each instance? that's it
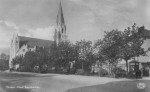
(121, 86)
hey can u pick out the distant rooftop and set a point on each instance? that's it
(145, 32)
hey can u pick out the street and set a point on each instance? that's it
(32, 82)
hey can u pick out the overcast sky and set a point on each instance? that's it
(85, 19)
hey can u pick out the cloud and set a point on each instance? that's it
(7, 29)
(76, 1)
(9, 24)
(4, 40)
(42, 33)
(148, 11)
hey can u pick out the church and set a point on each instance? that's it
(21, 44)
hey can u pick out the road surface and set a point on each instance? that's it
(32, 82)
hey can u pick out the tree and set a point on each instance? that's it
(42, 55)
(38, 58)
(4, 61)
(4, 56)
(98, 55)
(132, 44)
(18, 60)
(97, 51)
(109, 47)
(30, 61)
(117, 45)
(4, 64)
(62, 54)
(53, 57)
(85, 53)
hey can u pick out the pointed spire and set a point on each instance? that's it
(60, 18)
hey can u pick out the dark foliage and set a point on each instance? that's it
(4, 64)
(119, 72)
(103, 73)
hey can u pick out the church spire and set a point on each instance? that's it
(60, 18)
(60, 31)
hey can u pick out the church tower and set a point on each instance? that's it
(13, 48)
(60, 30)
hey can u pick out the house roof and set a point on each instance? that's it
(146, 33)
(31, 42)
(134, 61)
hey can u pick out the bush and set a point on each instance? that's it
(80, 72)
(72, 71)
(145, 72)
(119, 72)
(103, 73)
(131, 74)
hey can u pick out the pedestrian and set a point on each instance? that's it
(139, 73)
(136, 74)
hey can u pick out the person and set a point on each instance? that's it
(139, 74)
(136, 74)
(10, 69)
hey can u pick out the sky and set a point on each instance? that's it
(85, 19)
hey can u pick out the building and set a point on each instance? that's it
(146, 45)
(20, 44)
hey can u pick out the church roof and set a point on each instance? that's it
(31, 42)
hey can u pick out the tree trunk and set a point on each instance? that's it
(108, 68)
(127, 65)
(100, 68)
(82, 65)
